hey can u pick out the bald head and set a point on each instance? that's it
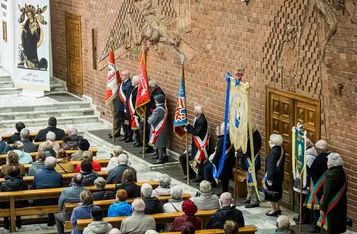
(135, 81)
(125, 75)
(115, 231)
(226, 199)
(199, 110)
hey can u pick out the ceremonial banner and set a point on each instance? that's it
(32, 45)
(143, 96)
(181, 113)
(113, 80)
(299, 153)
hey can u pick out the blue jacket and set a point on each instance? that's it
(4, 147)
(80, 212)
(120, 209)
(24, 158)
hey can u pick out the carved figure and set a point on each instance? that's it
(330, 18)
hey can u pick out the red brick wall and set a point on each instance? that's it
(226, 34)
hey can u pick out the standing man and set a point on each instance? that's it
(134, 118)
(200, 140)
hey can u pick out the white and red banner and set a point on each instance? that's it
(113, 80)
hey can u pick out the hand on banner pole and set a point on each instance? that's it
(270, 183)
(182, 58)
(322, 213)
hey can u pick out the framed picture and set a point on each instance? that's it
(4, 31)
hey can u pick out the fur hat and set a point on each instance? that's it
(83, 145)
(189, 208)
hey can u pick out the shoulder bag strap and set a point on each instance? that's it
(174, 207)
(62, 168)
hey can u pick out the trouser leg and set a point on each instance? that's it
(201, 170)
(161, 153)
(225, 184)
(137, 136)
(117, 124)
(249, 191)
(254, 197)
(208, 168)
(61, 218)
(129, 132)
(182, 160)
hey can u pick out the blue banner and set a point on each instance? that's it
(180, 119)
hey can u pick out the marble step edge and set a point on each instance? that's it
(81, 110)
(52, 105)
(10, 89)
(59, 120)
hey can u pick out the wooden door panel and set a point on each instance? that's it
(309, 115)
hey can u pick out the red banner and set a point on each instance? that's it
(113, 79)
(143, 96)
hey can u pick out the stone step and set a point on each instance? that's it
(42, 122)
(47, 107)
(57, 87)
(5, 78)
(45, 114)
(6, 84)
(10, 91)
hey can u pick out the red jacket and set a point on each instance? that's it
(196, 222)
(95, 165)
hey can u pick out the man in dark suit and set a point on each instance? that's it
(28, 145)
(16, 136)
(52, 123)
(130, 112)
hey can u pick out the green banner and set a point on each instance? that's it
(300, 151)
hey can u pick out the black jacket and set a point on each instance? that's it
(222, 215)
(274, 174)
(89, 178)
(71, 142)
(198, 129)
(115, 174)
(257, 142)
(12, 184)
(14, 137)
(230, 160)
(132, 91)
(41, 135)
(334, 180)
(318, 168)
(119, 105)
(131, 188)
(152, 205)
(151, 105)
(29, 146)
(104, 194)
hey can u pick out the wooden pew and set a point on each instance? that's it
(6, 136)
(241, 181)
(246, 230)
(162, 218)
(38, 143)
(12, 197)
(104, 204)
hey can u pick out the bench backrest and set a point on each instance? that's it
(246, 230)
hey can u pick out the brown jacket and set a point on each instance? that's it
(5, 169)
(64, 166)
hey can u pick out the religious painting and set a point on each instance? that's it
(4, 31)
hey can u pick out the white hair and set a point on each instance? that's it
(164, 181)
(115, 231)
(176, 192)
(275, 140)
(283, 222)
(146, 190)
(87, 155)
(199, 110)
(135, 80)
(51, 136)
(123, 159)
(72, 131)
(222, 127)
(151, 232)
(334, 159)
(152, 83)
(100, 183)
(226, 199)
(138, 205)
(50, 162)
(25, 133)
(322, 145)
(118, 149)
(205, 186)
(19, 145)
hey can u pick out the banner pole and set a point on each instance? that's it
(300, 215)
(187, 161)
(235, 181)
(113, 121)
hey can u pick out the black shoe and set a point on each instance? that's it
(155, 157)
(128, 140)
(315, 230)
(251, 206)
(115, 135)
(149, 150)
(153, 154)
(51, 223)
(166, 159)
(159, 161)
(18, 223)
(197, 180)
(246, 201)
(138, 144)
(184, 178)
(122, 139)
(275, 213)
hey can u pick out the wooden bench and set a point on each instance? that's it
(6, 136)
(241, 181)
(246, 230)
(38, 143)
(104, 204)
(12, 197)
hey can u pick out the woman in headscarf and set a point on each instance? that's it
(190, 209)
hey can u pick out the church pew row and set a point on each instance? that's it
(104, 204)
(5, 137)
(38, 143)
(12, 197)
(246, 230)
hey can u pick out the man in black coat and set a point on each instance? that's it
(131, 113)
(16, 136)
(28, 145)
(335, 185)
(52, 123)
(115, 174)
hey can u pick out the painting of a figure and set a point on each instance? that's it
(32, 36)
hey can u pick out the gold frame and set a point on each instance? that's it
(4, 31)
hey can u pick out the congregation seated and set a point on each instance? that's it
(39, 164)
(24, 158)
(231, 227)
(206, 200)
(88, 155)
(68, 195)
(138, 222)
(101, 193)
(190, 209)
(227, 212)
(175, 203)
(114, 158)
(25, 139)
(83, 145)
(12, 183)
(48, 149)
(164, 186)
(52, 126)
(98, 225)
(12, 160)
(120, 207)
(71, 141)
(4, 147)
(283, 225)
(63, 166)
(128, 183)
(115, 174)
(152, 204)
(16, 136)
(50, 136)
(83, 211)
(89, 175)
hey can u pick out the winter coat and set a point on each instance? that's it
(151, 105)
(115, 174)
(275, 174)
(41, 135)
(119, 106)
(64, 166)
(12, 184)
(70, 195)
(120, 209)
(98, 227)
(35, 167)
(4, 147)
(173, 205)
(126, 106)
(95, 165)
(77, 156)
(131, 188)
(89, 178)
(137, 223)
(56, 146)
(80, 212)
(71, 142)
(103, 195)
(318, 168)
(178, 222)
(161, 191)
(334, 180)
(199, 129)
(257, 142)
(222, 215)
(13, 138)
(5, 169)
(24, 158)
(206, 201)
(152, 205)
(29, 146)
(226, 173)
(154, 120)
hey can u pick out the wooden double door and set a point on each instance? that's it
(285, 110)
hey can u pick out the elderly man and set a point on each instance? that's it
(200, 140)
(50, 136)
(70, 194)
(175, 203)
(206, 200)
(138, 222)
(227, 212)
(114, 157)
(47, 178)
(333, 209)
(101, 193)
(71, 141)
(16, 136)
(152, 204)
(52, 126)
(317, 173)
(131, 113)
(28, 145)
(115, 174)
(164, 186)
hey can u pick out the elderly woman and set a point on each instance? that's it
(114, 158)
(88, 155)
(47, 147)
(334, 211)
(63, 166)
(190, 209)
(128, 183)
(50, 136)
(120, 207)
(83, 145)
(71, 141)
(174, 204)
(39, 164)
(207, 200)
(152, 204)
(24, 158)
(164, 186)
(101, 193)
(29, 146)
(12, 160)
(274, 174)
